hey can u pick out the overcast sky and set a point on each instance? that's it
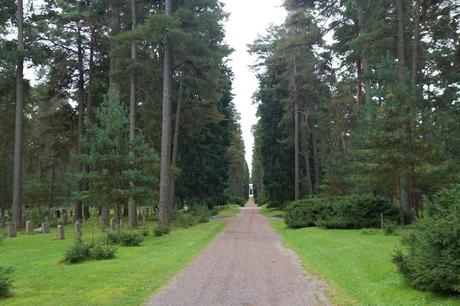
(247, 19)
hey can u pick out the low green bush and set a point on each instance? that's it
(145, 232)
(6, 281)
(102, 252)
(130, 239)
(123, 238)
(389, 227)
(79, 252)
(430, 257)
(303, 213)
(237, 200)
(184, 219)
(82, 251)
(339, 212)
(202, 213)
(161, 230)
(357, 212)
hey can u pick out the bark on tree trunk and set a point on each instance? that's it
(17, 180)
(307, 168)
(165, 172)
(404, 178)
(81, 96)
(132, 207)
(175, 151)
(296, 133)
(316, 158)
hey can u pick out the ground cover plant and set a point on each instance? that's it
(358, 267)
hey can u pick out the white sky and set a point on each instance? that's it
(247, 19)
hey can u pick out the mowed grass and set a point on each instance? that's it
(130, 279)
(358, 267)
(271, 212)
(228, 211)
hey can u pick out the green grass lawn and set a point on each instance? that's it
(271, 212)
(228, 211)
(136, 273)
(357, 266)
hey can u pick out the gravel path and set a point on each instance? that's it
(245, 265)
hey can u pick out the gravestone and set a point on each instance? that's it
(60, 232)
(45, 227)
(11, 230)
(65, 216)
(29, 227)
(77, 229)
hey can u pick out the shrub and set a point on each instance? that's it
(202, 213)
(80, 251)
(145, 232)
(161, 230)
(6, 280)
(237, 200)
(368, 231)
(113, 238)
(303, 213)
(125, 239)
(430, 259)
(339, 212)
(102, 252)
(389, 227)
(130, 239)
(357, 212)
(185, 219)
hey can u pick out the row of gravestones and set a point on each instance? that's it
(11, 230)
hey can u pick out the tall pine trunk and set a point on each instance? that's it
(78, 210)
(296, 133)
(17, 180)
(404, 177)
(132, 207)
(175, 150)
(166, 122)
(315, 148)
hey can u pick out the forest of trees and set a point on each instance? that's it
(359, 97)
(117, 94)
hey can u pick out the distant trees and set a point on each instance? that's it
(370, 101)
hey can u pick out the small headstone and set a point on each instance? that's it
(65, 216)
(38, 230)
(29, 227)
(45, 227)
(60, 232)
(11, 230)
(78, 229)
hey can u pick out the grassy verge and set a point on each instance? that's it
(228, 211)
(357, 266)
(40, 278)
(271, 212)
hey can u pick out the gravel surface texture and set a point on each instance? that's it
(245, 265)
